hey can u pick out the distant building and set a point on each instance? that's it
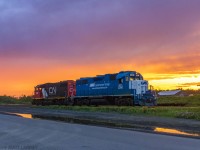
(172, 93)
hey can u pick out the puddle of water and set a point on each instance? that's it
(29, 116)
(173, 131)
(88, 121)
(108, 123)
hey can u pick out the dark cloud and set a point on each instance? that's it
(96, 30)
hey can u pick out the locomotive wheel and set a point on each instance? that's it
(130, 102)
(117, 101)
(33, 102)
(124, 102)
(71, 102)
(86, 102)
(61, 102)
(65, 102)
(43, 103)
(89, 102)
(79, 102)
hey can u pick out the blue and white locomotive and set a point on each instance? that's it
(123, 88)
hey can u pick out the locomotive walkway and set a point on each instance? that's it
(180, 127)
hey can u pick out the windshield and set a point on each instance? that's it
(135, 77)
(138, 76)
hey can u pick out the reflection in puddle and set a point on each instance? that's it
(173, 131)
(108, 123)
(29, 116)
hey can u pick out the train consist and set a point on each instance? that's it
(126, 88)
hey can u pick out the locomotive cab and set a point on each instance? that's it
(37, 93)
(133, 83)
(54, 93)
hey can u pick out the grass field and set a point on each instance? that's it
(176, 107)
(12, 100)
(190, 101)
(165, 111)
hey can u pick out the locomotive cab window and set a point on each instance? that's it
(138, 77)
(120, 81)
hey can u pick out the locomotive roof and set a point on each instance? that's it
(45, 84)
(119, 75)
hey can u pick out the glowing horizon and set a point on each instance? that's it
(158, 81)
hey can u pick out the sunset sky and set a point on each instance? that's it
(53, 40)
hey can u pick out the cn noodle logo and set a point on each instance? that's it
(52, 90)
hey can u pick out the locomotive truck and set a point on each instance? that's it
(123, 88)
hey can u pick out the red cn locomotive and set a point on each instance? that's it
(54, 93)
